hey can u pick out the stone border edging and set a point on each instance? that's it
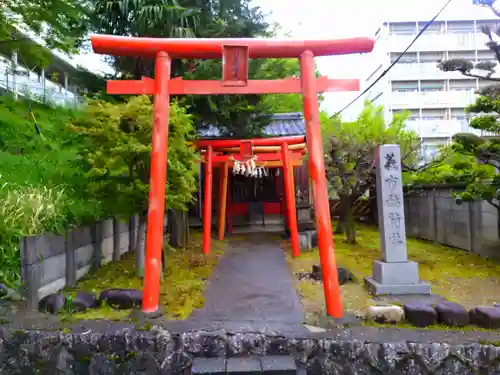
(126, 351)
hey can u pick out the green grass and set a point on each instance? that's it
(42, 182)
(455, 274)
(181, 290)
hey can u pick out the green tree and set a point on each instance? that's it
(454, 168)
(117, 147)
(486, 150)
(484, 185)
(244, 115)
(483, 70)
(350, 156)
(235, 115)
(60, 23)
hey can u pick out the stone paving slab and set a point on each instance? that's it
(252, 283)
(209, 366)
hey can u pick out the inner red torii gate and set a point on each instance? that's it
(282, 152)
(235, 54)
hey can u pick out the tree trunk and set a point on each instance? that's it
(116, 239)
(344, 207)
(350, 227)
(140, 248)
(132, 236)
(174, 228)
(186, 229)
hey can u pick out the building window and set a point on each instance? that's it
(461, 27)
(402, 28)
(405, 90)
(431, 89)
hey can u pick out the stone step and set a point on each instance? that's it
(268, 365)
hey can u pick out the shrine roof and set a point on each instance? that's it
(282, 124)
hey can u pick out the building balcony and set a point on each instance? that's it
(26, 83)
(407, 72)
(437, 42)
(432, 99)
(442, 128)
(437, 128)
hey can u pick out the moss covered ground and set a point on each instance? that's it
(181, 289)
(455, 274)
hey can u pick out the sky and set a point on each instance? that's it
(324, 19)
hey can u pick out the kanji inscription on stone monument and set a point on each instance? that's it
(390, 204)
(394, 274)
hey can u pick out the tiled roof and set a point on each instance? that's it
(283, 124)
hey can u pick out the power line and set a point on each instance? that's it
(395, 61)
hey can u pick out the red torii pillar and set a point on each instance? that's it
(289, 186)
(287, 160)
(235, 54)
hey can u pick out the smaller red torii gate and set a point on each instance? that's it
(284, 152)
(235, 54)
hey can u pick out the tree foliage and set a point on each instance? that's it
(483, 69)
(61, 24)
(454, 168)
(243, 115)
(482, 182)
(350, 156)
(235, 115)
(486, 150)
(174, 18)
(118, 150)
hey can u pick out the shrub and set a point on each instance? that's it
(26, 211)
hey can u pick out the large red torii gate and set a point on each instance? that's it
(235, 54)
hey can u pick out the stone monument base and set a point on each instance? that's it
(396, 278)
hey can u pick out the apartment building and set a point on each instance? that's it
(436, 100)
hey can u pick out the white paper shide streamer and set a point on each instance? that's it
(248, 168)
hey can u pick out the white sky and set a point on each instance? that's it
(321, 19)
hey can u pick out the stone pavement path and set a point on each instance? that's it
(252, 283)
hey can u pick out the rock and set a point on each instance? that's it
(52, 303)
(485, 317)
(385, 314)
(316, 273)
(121, 298)
(420, 314)
(343, 273)
(452, 314)
(84, 301)
(314, 329)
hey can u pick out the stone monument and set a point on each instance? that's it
(394, 275)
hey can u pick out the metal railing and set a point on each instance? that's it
(25, 83)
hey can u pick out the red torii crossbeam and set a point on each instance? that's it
(235, 54)
(178, 86)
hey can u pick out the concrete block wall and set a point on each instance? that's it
(433, 214)
(50, 262)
